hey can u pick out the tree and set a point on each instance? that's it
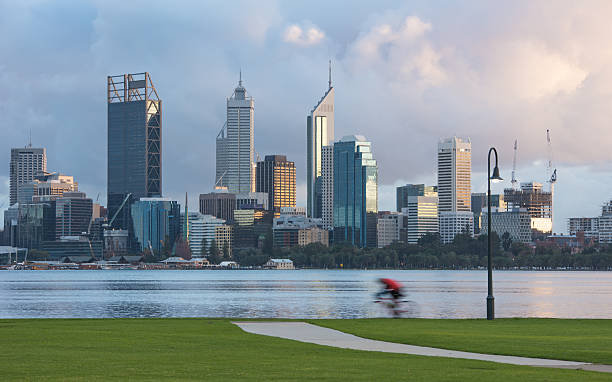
(166, 250)
(204, 251)
(506, 241)
(226, 250)
(268, 247)
(213, 253)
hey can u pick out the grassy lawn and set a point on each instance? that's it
(574, 340)
(216, 350)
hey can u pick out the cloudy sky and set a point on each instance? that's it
(405, 76)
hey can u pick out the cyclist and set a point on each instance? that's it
(394, 290)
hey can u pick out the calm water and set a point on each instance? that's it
(298, 294)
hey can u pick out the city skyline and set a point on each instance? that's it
(284, 98)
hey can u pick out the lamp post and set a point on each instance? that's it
(495, 178)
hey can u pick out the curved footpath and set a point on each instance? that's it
(304, 332)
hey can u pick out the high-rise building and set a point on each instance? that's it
(25, 164)
(47, 184)
(319, 133)
(422, 213)
(276, 176)
(355, 192)
(536, 201)
(235, 144)
(403, 192)
(134, 143)
(479, 204)
(73, 212)
(327, 187)
(202, 231)
(220, 204)
(454, 188)
(388, 228)
(156, 220)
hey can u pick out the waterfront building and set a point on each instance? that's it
(516, 222)
(25, 164)
(219, 203)
(403, 192)
(235, 144)
(319, 133)
(73, 246)
(276, 176)
(298, 230)
(454, 187)
(422, 216)
(134, 144)
(278, 264)
(115, 242)
(355, 192)
(389, 227)
(156, 220)
(327, 186)
(202, 231)
(536, 201)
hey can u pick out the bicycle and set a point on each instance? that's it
(394, 306)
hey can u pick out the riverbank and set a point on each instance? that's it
(215, 349)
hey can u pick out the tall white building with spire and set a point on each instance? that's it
(235, 144)
(319, 133)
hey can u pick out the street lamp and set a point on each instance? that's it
(491, 178)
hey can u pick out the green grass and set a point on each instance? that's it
(573, 340)
(216, 350)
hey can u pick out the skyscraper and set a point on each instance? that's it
(355, 192)
(276, 176)
(156, 220)
(455, 188)
(25, 164)
(327, 186)
(134, 143)
(73, 212)
(403, 192)
(235, 144)
(319, 133)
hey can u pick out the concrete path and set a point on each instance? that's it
(304, 332)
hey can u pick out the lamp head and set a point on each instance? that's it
(495, 178)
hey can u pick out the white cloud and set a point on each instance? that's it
(301, 35)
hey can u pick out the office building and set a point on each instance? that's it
(536, 201)
(155, 221)
(134, 144)
(422, 216)
(319, 133)
(605, 224)
(327, 186)
(73, 246)
(252, 200)
(454, 187)
(589, 226)
(452, 224)
(517, 223)
(202, 232)
(73, 213)
(25, 164)
(355, 192)
(298, 230)
(479, 205)
(36, 223)
(224, 238)
(293, 211)
(219, 203)
(235, 144)
(276, 176)
(249, 225)
(403, 192)
(388, 228)
(115, 242)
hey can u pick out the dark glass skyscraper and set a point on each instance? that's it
(276, 176)
(355, 192)
(134, 143)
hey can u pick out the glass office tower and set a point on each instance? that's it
(156, 220)
(355, 192)
(134, 143)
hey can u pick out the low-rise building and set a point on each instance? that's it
(298, 230)
(454, 223)
(279, 264)
(388, 228)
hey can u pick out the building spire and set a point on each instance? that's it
(240, 78)
(30, 142)
(330, 85)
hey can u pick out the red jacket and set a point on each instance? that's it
(391, 284)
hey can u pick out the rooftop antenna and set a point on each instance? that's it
(240, 79)
(30, 142)
(330, 85)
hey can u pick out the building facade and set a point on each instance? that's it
(536, 201)
(218, 204)
(134, 143)
(298, 230)
(516, 222)
(403, 192)
(319, 133)
(26, 163)
(605, 224)
(355, 192)
(388, 228)
(276, 176)
(156, 220)
(422, 217)
(590, 227)
(47, 184)
(327, 186)
(73, 213)
(454, 223)
(479, 205)
(202, 232)
(249, 200)
(235, 144)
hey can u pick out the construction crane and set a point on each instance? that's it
(110, 223)
(515, 183)
(220, 179)
(551, 174)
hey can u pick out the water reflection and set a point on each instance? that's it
(298, 294)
